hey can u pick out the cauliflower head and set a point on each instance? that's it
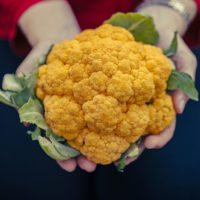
(103, 91)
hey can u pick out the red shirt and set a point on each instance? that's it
(89, 13)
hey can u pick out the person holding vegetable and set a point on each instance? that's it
(42, 28)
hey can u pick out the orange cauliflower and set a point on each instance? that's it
(103, 91)
(100, 147)
(161, 112)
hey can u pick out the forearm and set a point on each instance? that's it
(170, 18)
(49, 20)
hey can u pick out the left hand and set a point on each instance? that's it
(185, 61)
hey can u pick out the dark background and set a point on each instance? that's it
(26, 173)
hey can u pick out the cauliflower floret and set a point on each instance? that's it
(161, 113)
(143, 85)
(64, 116)
(109, 68)
(120, 87)
(134, 123)
(124, 66)
(158, 64)
(58, 52)
(102, 113)
(77, 72)
(41, 81)
(83, 91)
(100, 147)
(97, 89)
(57, 81)
(98, 81)
(105, 31)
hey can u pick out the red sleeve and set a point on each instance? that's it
(198, 4)
(89, 14)
(10, 12)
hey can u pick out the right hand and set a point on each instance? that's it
(37, 51)
(41, 35)
(27, 67)
(168, 21)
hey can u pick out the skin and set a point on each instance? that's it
(41, 34)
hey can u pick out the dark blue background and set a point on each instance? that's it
(27, 173)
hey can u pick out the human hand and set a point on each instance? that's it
(42, 29)
(184, 60)
(41, 35)
(81, 161)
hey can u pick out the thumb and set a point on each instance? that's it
(185, 62)
(28, 63)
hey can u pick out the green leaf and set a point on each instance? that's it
(57, 150)
(49, 133)
(40, 61)
(172, 64)
(49, 148)
(22, 86)
(12, 83)
(64, 150)
(35, 134)
(183, 82)
(20, 98)
(52, 147)
(122, 163)
(132, 151)
(32, 112)
(141, 26)
(5, 98)
(173, 47)
(50, 48)
(17, 88)
(31, 79)
(15, 94)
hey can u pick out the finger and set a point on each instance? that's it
(158, 141)
(85, 164)
(141, 149)
(180, 99)
(68, 165)
(28, 63)
(185, 60)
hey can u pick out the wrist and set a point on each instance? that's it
(165, 18)
(191, 7)
(49, 21)
(172, 14)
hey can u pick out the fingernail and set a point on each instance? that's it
(182, 106)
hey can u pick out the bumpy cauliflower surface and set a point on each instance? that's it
(103, 91)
